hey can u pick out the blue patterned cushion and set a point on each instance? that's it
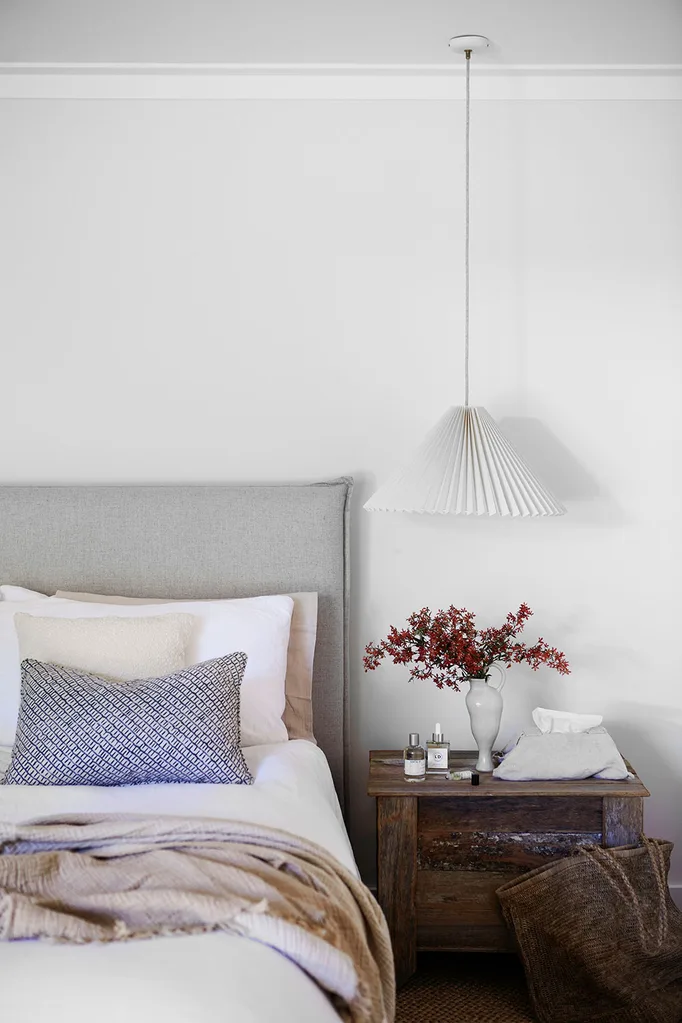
(78, 729)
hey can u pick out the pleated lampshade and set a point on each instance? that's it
(465, 466)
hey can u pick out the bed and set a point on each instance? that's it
(196, 542)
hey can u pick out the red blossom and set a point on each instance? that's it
(445, 647)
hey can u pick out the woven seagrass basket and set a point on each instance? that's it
(599, 936)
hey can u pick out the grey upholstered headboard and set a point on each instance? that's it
(197, 541)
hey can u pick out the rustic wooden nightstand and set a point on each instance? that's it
(444, 847)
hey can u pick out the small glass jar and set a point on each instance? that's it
(415, 759)
(438, 754)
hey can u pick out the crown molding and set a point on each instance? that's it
(482, 67)
(338, 81)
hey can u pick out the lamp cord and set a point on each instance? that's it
(467, 54)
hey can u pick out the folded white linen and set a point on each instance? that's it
(564, 720)
(563, 755)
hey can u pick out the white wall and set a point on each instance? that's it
(228, 291)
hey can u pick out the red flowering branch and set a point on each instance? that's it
(445, 647)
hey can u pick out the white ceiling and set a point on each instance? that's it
(339, 31)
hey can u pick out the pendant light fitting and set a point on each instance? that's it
(472, 44)
(466, 466)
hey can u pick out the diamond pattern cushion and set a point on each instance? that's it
(78, 729)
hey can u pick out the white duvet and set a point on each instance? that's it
(213, 978)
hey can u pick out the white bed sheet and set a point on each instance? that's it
(213, 978)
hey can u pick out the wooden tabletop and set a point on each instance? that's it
(386, 779)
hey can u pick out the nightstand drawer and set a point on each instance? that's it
(503, 834)
(465, 914)
(504, 813)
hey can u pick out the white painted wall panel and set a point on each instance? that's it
(220, 291)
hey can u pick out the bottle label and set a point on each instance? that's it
(438, 758)
(415, 767)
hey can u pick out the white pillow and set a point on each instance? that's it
(298, 684)
(10, 675)
(120, 652)
(257, 625)
(20, 593)
(121, 649)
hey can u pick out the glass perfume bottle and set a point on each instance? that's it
(437, 753)
(415, 759)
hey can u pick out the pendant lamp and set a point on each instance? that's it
(465, 465)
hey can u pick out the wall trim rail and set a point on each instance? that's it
(337, 82)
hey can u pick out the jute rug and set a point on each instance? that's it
(466, 988)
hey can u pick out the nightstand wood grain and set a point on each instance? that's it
(445, 847)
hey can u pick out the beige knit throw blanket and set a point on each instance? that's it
(113, 878)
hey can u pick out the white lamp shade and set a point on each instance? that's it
(465, 466)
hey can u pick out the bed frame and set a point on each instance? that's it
(193, 542)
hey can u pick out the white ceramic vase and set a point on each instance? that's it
(484, 703)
